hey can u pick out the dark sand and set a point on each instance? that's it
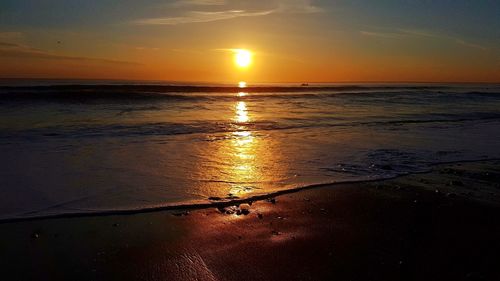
(443, 225)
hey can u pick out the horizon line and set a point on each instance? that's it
(255, 83)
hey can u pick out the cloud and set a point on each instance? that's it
(381, 34)
(400, 33)
(143, 48)
(8, 45)
(282, 6)
(470, 45)
(13, 50)
(11, 35)
(183, 3)
(298, 6)
(197, 17)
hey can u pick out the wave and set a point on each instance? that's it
(89, 92)
(127, 93)
(205, 204)
(200, 204)
(167, 129)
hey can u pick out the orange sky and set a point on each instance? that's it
(292, 41)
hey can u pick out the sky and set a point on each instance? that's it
(291, 40)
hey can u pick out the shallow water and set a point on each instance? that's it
(90, 149)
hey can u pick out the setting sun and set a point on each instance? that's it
(242, 58)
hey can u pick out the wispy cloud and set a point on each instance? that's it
(381, 34)
(197, 17)
(8, 45)
(143, 48)
(14, 50)
(470, 45)
(183, 3)
(298, 6)
(11, 35)
(282, 6)
(400, 33)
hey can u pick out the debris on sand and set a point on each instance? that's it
(240, 212)
(180, 214)
(245, 209)
(237, 210)
(231, 196)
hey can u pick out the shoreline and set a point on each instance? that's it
(441, 225)
(222, 203)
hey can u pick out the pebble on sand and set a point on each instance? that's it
(272, 200)
(180, 214)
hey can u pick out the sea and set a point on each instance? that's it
(70, 147)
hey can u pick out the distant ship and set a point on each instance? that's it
(305, 84)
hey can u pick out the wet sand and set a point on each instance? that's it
(442, 225)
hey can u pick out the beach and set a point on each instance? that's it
(439, 225)
(228, 140)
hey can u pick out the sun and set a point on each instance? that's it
(242, 58)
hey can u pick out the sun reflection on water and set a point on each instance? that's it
(241, 112)
(243, 146)
(245, 160)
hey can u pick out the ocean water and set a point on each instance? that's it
(90, 148)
